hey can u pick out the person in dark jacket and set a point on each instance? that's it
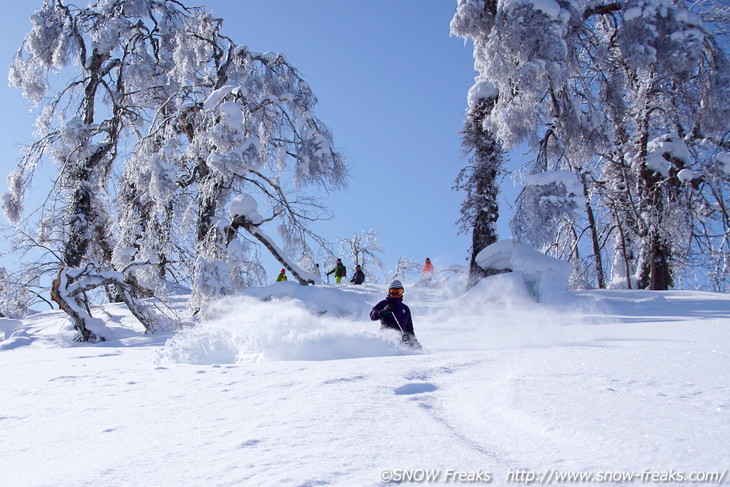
(359, 276)
(394, 314)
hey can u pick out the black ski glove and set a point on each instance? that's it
(385, 311)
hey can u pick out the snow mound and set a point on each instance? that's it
(8, 326)
(501, 289)
(545, 277)
(20, 338)
(319, 300)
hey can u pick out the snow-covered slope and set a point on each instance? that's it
(291, 385)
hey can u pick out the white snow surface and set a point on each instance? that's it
(294, 386)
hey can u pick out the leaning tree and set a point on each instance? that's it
(230, 150)
(155, 123)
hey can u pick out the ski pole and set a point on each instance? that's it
(404, 337)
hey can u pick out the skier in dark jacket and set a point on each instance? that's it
(359, 276)
(394, 314)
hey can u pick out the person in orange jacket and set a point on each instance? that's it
(427, 270)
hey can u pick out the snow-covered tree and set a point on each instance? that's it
(91, 72)
(480, 179)
(363, 249)
(240, 123)
(15, 296)
(156, 121)
(404, 268)
(673, 109)
(548, 201)
(625, 94)
(712, 230)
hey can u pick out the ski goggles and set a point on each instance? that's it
(396, 292)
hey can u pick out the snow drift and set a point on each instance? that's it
(292, 385)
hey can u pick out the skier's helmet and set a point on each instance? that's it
(395, 289)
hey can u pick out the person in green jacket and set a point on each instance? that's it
(339, 271)
(282, 276)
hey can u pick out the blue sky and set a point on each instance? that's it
(392, 86)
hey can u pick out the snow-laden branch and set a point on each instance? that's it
(244, 214)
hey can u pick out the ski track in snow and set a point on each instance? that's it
(614, 381)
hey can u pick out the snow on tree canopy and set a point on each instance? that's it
(246, 206)
(545, 276)
(665, 149)
(232, 114)
(723, 162)
(547, 7)
(566, 179)
(221, 93)
(654, 30)
(482, 90)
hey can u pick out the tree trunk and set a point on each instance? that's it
(72, 283)
(660, 272)
(483, 234)
(655, 272)
(78, 238)
(598, 262)
(82, 223)
(480, 210)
